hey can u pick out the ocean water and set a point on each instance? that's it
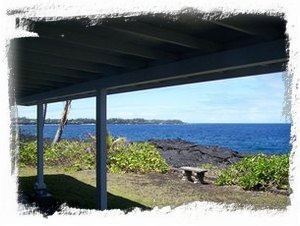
(250, 138)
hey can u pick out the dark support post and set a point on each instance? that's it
(101, 149)
(40, 185)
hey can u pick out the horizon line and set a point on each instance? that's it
(183, 122)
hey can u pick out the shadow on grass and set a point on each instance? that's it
(66, 189)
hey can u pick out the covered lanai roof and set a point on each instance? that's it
(72, 57)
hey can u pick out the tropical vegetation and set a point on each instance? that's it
(78, 155)
(258, 172)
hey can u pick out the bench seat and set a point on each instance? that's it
(193, 174)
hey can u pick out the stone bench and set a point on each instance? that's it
(193, 174)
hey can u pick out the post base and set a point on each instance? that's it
(45, 202)
(41, 196)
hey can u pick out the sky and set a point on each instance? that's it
(253, 99)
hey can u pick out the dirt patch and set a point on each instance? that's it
(169, 189)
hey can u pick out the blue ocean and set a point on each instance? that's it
(250, 138)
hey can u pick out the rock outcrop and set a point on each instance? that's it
(179, 153)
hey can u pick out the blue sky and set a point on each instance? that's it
(253, 99)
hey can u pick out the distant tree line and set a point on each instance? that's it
(143, 121)
(24, 120)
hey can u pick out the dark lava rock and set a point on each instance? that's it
(179, 153)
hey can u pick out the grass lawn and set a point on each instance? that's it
(146, 191)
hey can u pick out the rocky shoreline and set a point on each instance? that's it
(178, 152)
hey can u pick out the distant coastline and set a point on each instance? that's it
(81, 121)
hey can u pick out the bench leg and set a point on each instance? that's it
(199, 178)
(195, 178)
(187, 175)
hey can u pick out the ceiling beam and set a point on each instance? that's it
(60, 49)
(259, 70)
(25, 91)
(56, 71)
(40, 58)
(108, 44)
(31, 75)
(246, 57)
(27, 74)
(265, 32)
(163, 35)
(29, 89)
(37, 87)
(42, 81)
(232, 27)
(251, 71)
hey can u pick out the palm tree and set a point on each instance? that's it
(44, 113)
(63, 122)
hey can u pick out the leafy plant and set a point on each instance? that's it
(73, 155)
(77, 155)
(27, 154)
(257, 172)
(137, 157)
(212, 169)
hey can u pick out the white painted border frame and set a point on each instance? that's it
(192, 214)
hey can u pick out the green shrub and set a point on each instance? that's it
(119, 144)
(216, 171)
(72, 155)
(257, 172)
(77, 155)
(137, 157)
(109, 140)
(27, 154)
